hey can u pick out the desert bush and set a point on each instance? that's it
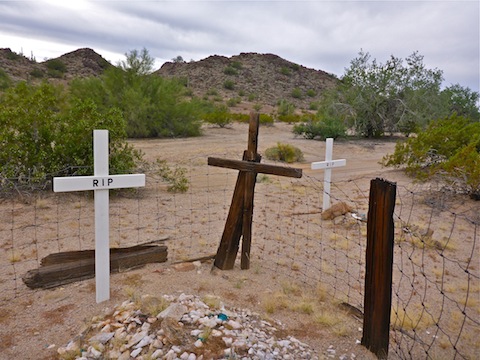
(229, 84)
(230, 71)
(311, 93)
(5, 81)
(285, 108)
(265, 119)
(176, 179)
(448, 148)
(321, 129)
(297, 93)
(284, 152)
(11, 55)
(232, 102)
(285, 71)
(236, 65)
(44, 133)
(152, 106)
(56, 68)
(220, 115)
(212, 92)
(289, 118)
(37, 73)
(295, 67)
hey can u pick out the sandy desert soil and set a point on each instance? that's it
(35, 323)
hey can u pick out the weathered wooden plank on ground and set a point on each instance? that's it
(66, 267)
(379, 267)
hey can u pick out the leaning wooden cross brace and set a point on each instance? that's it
(239, 219)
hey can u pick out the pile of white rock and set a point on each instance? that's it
(188, 328)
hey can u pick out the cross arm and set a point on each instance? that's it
(255, 167)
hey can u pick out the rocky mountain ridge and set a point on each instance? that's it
(248, 77)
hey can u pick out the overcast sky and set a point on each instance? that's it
(323, 35)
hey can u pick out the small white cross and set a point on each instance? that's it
(101, 182)
(328, 165)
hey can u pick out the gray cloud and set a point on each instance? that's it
(323, 35)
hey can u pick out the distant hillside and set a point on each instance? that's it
(262, 78)
(248, 78)
(79, 63)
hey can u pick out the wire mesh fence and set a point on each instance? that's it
(436, 275)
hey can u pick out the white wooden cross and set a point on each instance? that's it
(328, 165)
(101, 182)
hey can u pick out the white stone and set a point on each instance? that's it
(147, 340)
(196, 332)
(102, 337)
(136, 338)
(157, 353)
(170, 355)
(174, 311)
(198, 343)
(234, 324)
(228, 341)
(94, 352)
(136, 352)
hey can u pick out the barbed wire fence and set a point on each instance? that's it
(436, 282)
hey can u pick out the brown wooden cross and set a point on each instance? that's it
(239, 219)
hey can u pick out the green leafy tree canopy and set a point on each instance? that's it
(399, 95)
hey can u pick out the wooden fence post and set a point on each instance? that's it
(379, 264)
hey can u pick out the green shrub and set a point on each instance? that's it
(265, 119)
(229, 84)
(295, 67)
(236, 65)
(151, 105)
(447, 148)
(13, 56)
(241, 118)
(252, 97)
(5, 81)
(285, 71)
(37, 73)
(230, 71)
(177, 179)
(285, 108)
(232, 102)
(43, 134)
(219, 116)
(56, 68)
(284, 152)
(297, 93)
(321, 129)
(311, 93)
(289, 118)
(212, 92)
